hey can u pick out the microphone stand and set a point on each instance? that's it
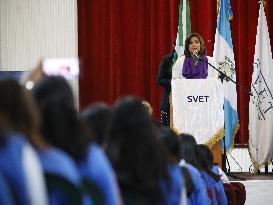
(223, 76)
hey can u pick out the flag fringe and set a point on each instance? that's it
(219, 135)
(256, 165)
(215, 138)
(212, 140)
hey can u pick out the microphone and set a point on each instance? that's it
(195, 54)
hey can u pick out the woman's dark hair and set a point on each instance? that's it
(189, 149)
(97, 117)
(53, 87)
(193, 155)
(188, 41)
(60, 125)
(206, 161)
(18, 110)
(207, 154)
(138, 156)
(172, 142)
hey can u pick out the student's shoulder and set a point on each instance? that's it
(193, 170)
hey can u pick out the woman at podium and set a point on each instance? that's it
(209, 116)
(194, 63)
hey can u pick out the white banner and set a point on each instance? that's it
(198, 109)
(261, 103)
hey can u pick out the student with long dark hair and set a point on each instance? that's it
(197, 192)
(60, 125)
(61, 130)
(172, 143)
(139, 157)
(192, 154)
(95, 165)
(19, 130)
(208, 156)
(72, 152)
(209, 176)
(97, 117)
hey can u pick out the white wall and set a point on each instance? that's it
(31, 29)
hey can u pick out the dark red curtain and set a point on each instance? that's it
(121, 44)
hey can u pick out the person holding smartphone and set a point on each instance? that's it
(67, 68)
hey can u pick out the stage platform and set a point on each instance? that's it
(259, 188)
(249, 176)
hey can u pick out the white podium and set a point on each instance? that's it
(197, 109)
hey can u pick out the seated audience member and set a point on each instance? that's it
(61, 130)
(191, 154)
(148, 106)
(139, 157)
(19, 125)
(6, 197)
(95, 165)
(172, 142)
(68, 141)
(150, 110)
(97, 117)
(197, 189)
(208, 156)
(215, 168)
(209, 177)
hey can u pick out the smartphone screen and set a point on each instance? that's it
(66, 67)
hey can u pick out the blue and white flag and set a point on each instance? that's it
(261, 103)
(224, 57)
